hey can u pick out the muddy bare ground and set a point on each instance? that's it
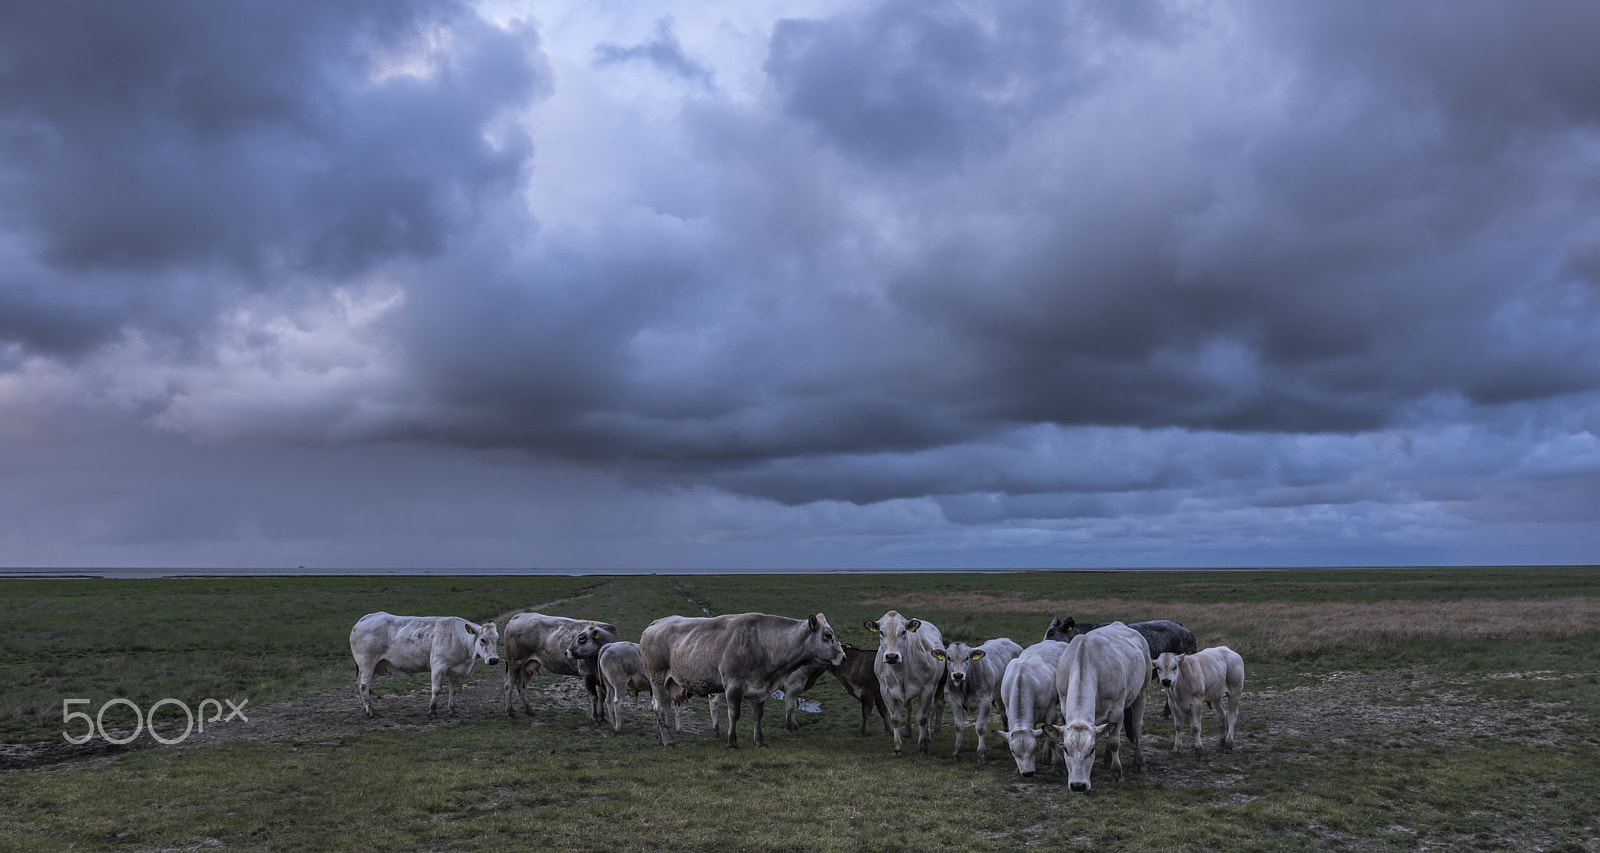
(327, 718)
(1404, 708)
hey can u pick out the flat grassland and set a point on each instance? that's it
(1393, 709)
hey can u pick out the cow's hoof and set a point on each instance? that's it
(898, 754)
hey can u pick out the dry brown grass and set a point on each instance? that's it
(1284, 627)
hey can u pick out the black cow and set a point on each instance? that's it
(1163, 635)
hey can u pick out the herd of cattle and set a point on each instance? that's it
(1062, 694)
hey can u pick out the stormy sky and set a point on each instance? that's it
(799, 284)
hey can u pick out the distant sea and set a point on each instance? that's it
(304, 571)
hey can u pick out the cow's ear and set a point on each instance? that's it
(1069, 623)
(813, 624)
(871, 625)
(1049, 731)
(471, 628)
(1101, 729)
(939, 654)
(913, 625)
(977, 654)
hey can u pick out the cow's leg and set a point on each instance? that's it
(614, 705)
(791, 704)
(661, 698)
(453, 685)
(364, 686)
(1133, 721)
(883, 710)
(983, 726)
(735, 699)
(1230, 718)
(757, 712)
(597, 693)
(434, 677)
(894, 723)
(1114, 747)
(961, 727)
(714, 708)
(866, 714)
(924, 725)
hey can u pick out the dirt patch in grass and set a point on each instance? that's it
(325, 719)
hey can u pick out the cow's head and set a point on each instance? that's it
(1076, 741)
(485, 641)
(587, 644)
(1061, 629)
(1024, 744)
(1166, 668)
(825, 647)
(958, 658)
(896, 631)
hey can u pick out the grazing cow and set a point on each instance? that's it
(858, 679)
(1212, 677)
(908, 672)
(1163, 635)
(534, 640)
(446, 647)
(1101, 684)
(975, 675)
(743, 656)
(1028, 694)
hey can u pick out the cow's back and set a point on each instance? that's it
(1114, 658)
(1028, 683)
(537, 636)
(1165, 635)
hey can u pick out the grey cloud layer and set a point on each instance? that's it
(251, 143)
(1037, 261)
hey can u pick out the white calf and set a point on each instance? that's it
(1214, 677)
(975, 675)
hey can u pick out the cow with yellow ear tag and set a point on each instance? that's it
(974, 685)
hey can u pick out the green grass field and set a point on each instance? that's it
(1384, 710)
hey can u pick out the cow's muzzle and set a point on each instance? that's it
(957, 677)
(1080, 787)
(1166, 682)
(892, 658)
(494, 661)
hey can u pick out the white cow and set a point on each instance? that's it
(909, 672)
(447, 647)
(1214, 677)
(975, 675)
(1028, 693)
(1101, 683)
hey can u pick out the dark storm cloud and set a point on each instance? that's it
(1100, 228)
(257, 141)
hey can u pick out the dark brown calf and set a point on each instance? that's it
(861, 682)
